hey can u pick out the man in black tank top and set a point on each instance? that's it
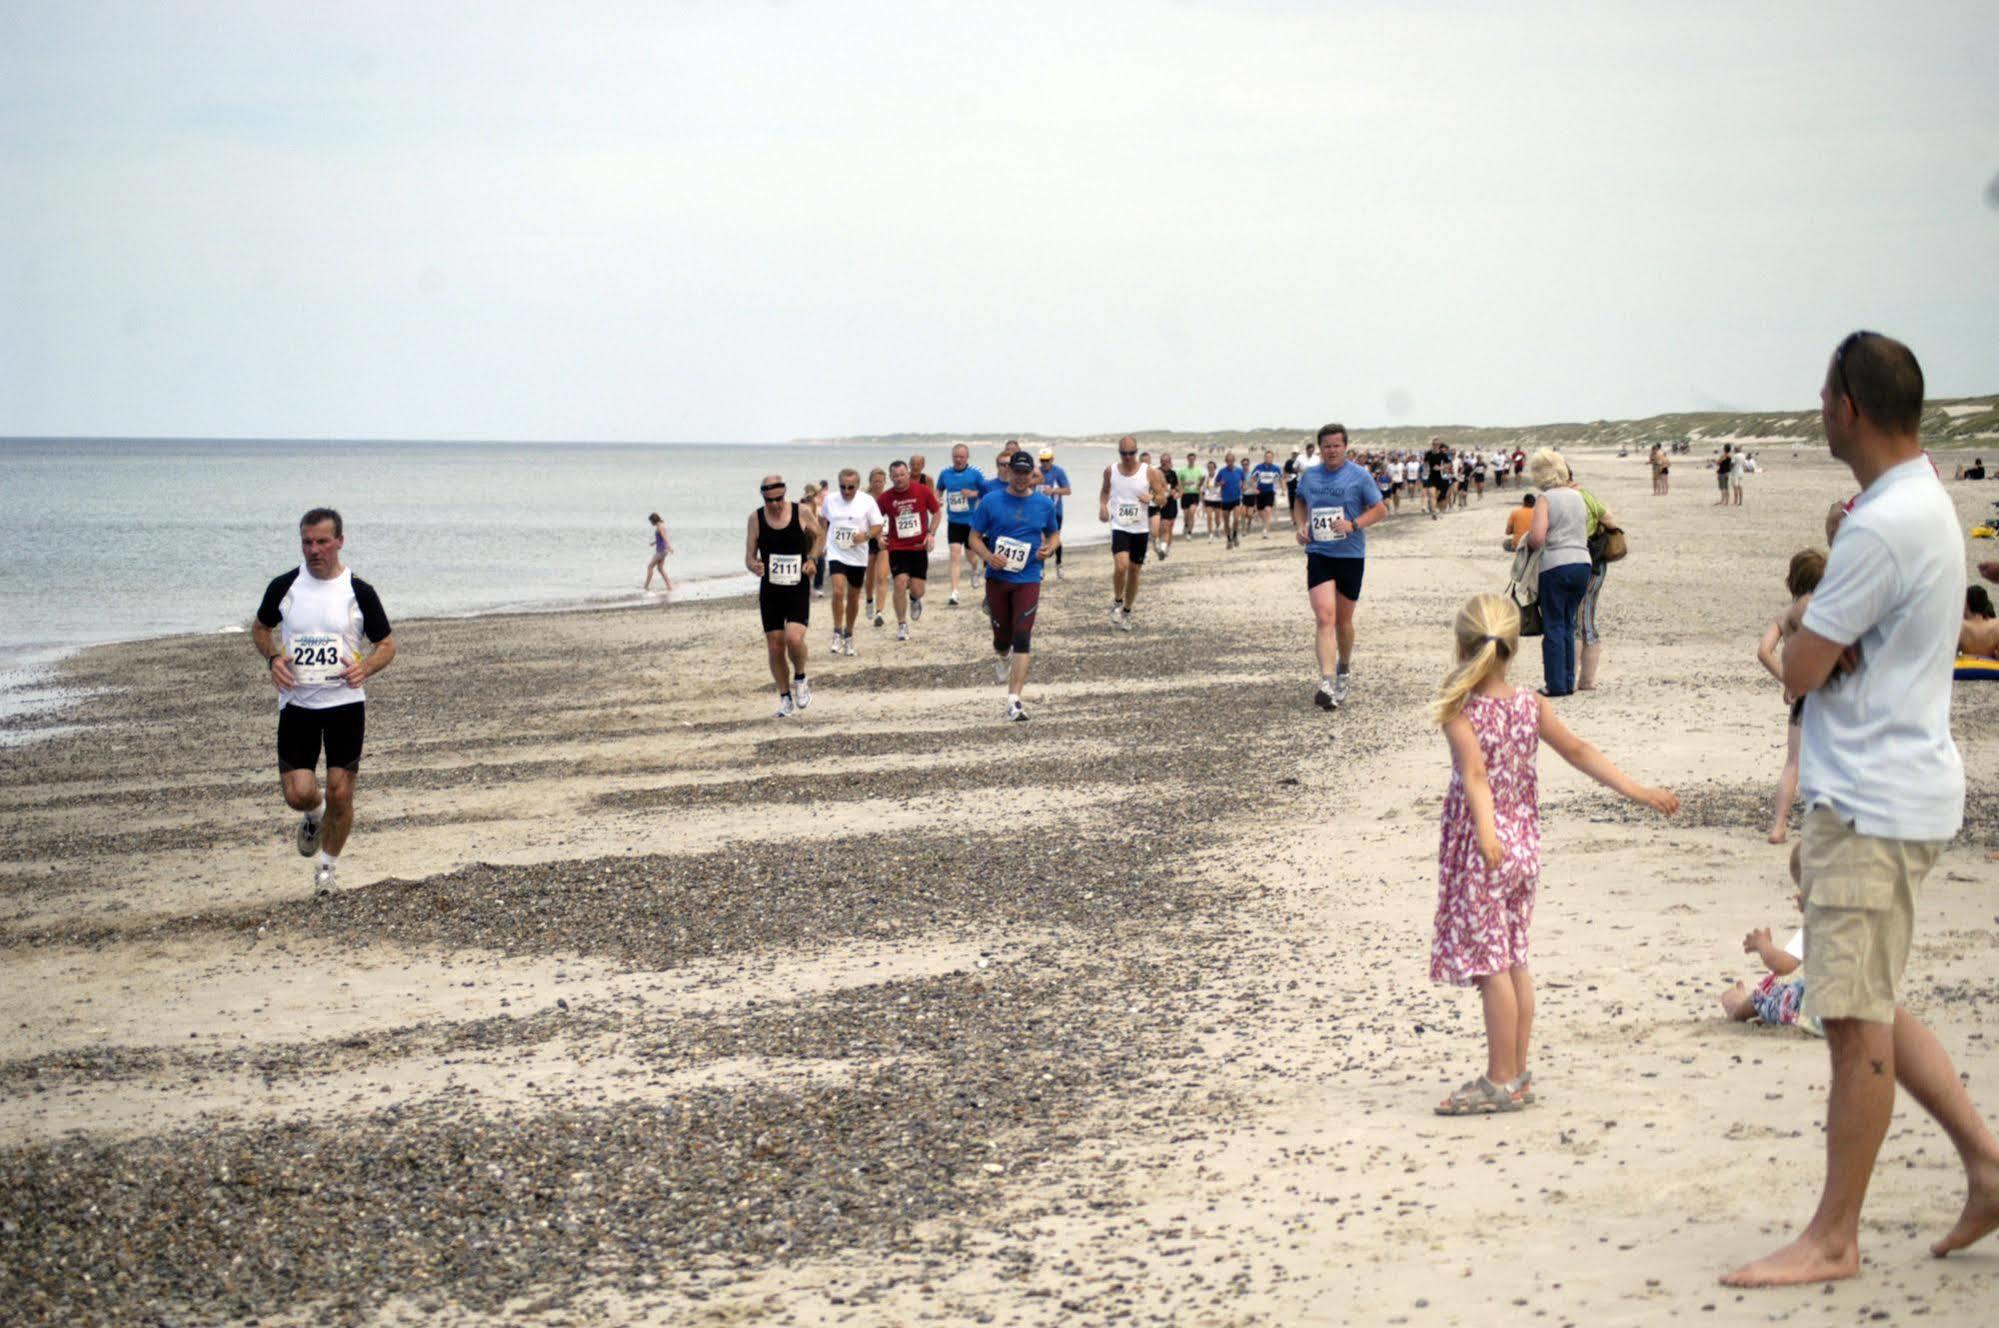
(781, 550)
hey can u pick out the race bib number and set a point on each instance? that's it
(1012, 552)
(782, 568)
(314, 658)
(1125, 513)
(845, 537)
(1266, 480)
(908, 525)
(1322, 523)
(957, 501)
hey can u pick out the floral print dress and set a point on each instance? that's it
(1482, 915)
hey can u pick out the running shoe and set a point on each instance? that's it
(308, 836)
(1058, 566)
(1322, 696)
(880, 621)
(1016, 713)
(1165, 551)
(916, 608)
(801, 693)
(1341, 681)
(1125, 621)
(1117, 613)
(953, 601)
(1003, 668)
(785, 710)
(322, 879)
(853, 651)
(902, 631)
(870, 611)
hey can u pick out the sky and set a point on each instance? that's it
(739, 221)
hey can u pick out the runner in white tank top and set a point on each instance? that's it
(1130, 486)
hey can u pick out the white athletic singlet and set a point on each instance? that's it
(1130, 496)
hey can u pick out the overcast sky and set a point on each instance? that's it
(738, 220)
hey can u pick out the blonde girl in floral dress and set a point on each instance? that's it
(1489, 856)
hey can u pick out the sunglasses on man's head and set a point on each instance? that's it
(1839, 361)
(773, 488)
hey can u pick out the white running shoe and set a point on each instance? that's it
(916, 608)
(801, 693)
(1117, 614)
(1322, 695)
(1124, 620)
(853, 652)
(1003, 668)
(1340, 683)
(870, 611)
(836, 640)
(1058, 566)
(1016, 713)
(308, 836)
(322, 879)
(953, 601)
(785, 710)
(902, 631)
(1165, 551)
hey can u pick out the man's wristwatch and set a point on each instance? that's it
(271, 662)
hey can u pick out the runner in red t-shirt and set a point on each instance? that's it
(909, 531)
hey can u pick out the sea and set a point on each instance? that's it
(123, 539)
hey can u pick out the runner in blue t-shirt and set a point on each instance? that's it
(1337, 501)
(1054, 484)
(959, 488)
(1013, 531)
(1230, 477)
(1266, 477)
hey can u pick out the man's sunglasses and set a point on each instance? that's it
(1839, 361)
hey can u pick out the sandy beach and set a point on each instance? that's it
(639, 1006)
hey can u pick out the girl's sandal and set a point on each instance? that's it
(1523, 1088)
(1480, 1097)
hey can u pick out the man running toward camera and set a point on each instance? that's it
(309, 629)
(1130, 486)
(959, 487)
(1337, 501)
(1013, 532)
(784, 543)
(852, 520)
(909, 520)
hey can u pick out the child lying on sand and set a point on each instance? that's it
(1779, 999)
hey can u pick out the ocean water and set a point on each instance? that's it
(124, 539)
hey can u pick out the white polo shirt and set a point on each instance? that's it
(1876, 745)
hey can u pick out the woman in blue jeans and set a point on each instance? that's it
(1560, 532)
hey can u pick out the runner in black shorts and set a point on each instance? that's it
(783, 544)
(317, 664)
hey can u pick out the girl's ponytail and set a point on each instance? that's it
(1488, 635)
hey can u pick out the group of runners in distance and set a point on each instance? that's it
(869, 546)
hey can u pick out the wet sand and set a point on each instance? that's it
(637, 1005)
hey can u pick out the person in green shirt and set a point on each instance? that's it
(1190, 476)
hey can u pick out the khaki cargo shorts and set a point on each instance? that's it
(1860, 912)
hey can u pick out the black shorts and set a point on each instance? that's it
(874, 547)
(301, 731)
(1229, 504)
(784, 604)
(912, 563)
(1131, 542)
(1264, 500)
(1344, 573)
(854, 572)
(1170, 512)
(958, 533)
(1189, 501)
(1441, 483)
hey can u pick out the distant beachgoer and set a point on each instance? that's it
(1976, 470)
(1589, 636)
(1807, 566)
(1337, 501)
(1013, 531)
(909, 531)
(1560, 529)
(876, 584)
(310, 628)
(661, 546)
(1129, 487)
(1489, 849)
(1519, 521)
(960, 487)
(1883, 788)
(1980, 633)
(783, 542)
(1724, 466)
(853, 519)
(1662, 468)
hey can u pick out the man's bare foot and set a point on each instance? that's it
(1779, 833)
(1803, 1260)
(1980, 1217)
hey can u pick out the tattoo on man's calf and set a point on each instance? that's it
(1880, 1067)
